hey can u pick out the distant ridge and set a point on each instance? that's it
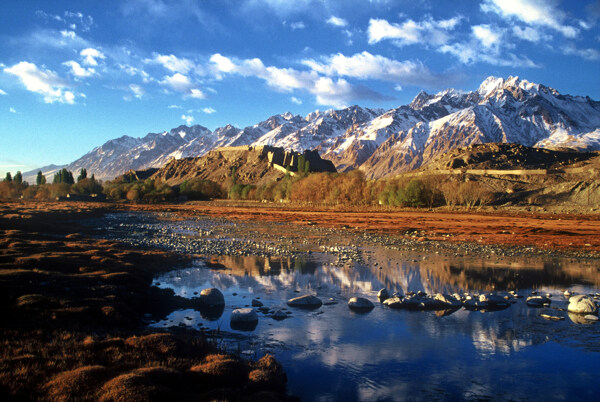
(379, 142)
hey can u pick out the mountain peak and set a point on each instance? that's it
(490, 84)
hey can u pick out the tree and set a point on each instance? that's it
(8, 178)
(40, 179)
(82, 175)
(18, 179)
(63, 176)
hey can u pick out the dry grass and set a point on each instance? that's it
(72, 319)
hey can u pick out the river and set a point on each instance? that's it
(333, 353)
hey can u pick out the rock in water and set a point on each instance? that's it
(382, 295)
(360, 304)
(279, 315)
(306, 301)
(447, 301)
(256, 303)
(582, 304)
(393, 302)
(537, 301)
(212, 297)
(244, 319)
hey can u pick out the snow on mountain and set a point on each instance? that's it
(510, 111)
(380, 142)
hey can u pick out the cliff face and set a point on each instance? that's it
(253, 165)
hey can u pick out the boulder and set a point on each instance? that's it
(494, 302)
(393, 302)
(244, 319)
(383, 294)
(279, 315)
(582, 304)
(537, 301)
(360, 304)
(446, 301)
(256, 303)
(212, 297)
(306, 301)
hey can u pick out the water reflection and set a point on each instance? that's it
(334, 354)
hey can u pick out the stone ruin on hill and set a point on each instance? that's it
(290, 159)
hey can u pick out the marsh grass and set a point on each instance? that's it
(73, 327)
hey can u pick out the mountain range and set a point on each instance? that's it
(379, 142)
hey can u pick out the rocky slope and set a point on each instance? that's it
(380, 142)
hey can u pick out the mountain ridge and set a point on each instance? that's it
(379, 142)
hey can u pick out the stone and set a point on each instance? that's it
(393, 302)
(537, 301)
(446, 301)
(360, 304)
(244, 319)
(383, 294)
(212, 297)
(256, 303)
(591, 317)
(494, 301)
(279, 315)
(582, 304)
(306, 301)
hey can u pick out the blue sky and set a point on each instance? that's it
(74, 74)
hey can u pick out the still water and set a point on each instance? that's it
(332, 353)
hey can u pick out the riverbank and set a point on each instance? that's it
(566, 234)
(75, 312)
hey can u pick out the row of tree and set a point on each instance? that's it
(350, 188)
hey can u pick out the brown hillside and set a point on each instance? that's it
(251, 164)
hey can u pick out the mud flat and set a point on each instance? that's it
(75, 313)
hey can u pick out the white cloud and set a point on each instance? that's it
(173, 63)
(488, 36)
(326, 90)
(174, 107)
(44, 82)
(12, 110)
(398, 88)
(178, 82)
(222, 63)
(588, 54)
(336, 21)
(90, 55)
(530, 34)
(196, 94)
(79, 71)
(188, 119)
(532, 12)
(69, 34)
(296, 100)
(181, 83)
(137, 91)
(297, 25)
(209, 110)
(368, 66)
(427, 32)
(2, 92)
(473, 52)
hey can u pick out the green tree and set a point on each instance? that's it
(234, 175)
(40, 179)
(8, 178)
(82, 175)
(63, 176)
(18, 179)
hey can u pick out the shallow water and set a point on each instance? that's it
(333, 353)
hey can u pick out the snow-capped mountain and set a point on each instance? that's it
(510, 111)
(381, 142)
